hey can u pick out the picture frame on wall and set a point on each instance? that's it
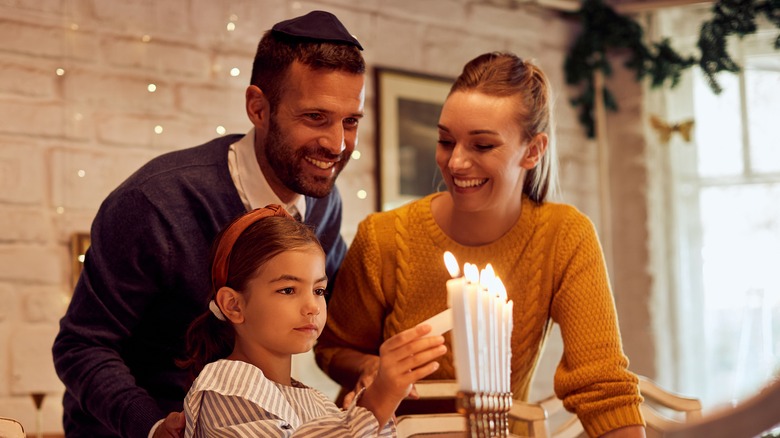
(408, 105)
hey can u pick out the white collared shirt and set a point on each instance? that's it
(253, 188)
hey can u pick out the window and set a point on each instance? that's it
(724, 193)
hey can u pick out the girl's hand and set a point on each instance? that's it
(403, 359)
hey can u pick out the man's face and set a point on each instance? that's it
(312, 131)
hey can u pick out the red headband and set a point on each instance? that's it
(219, 269)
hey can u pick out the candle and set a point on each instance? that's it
(508, 315)
(479, 324)
(456, 284)
(462, 333)
(502, 334)
(440, 323)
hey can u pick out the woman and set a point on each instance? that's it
(496, 156)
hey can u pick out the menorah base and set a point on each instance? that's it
(485, 412)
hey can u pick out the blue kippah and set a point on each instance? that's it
(317, 25)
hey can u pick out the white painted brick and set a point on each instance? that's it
(25, 224)
(22, 409)
(31, 118)
(22, 79)
(117, 92)
(8, 310)
(102, 173)
(211, 100)
(32, 365)
(21, 173)
(28, 38)
(223, 63)
(43, 304)
(176, 133)
(403, 50)
(158, 56)
(431, 11)
(39, 5)
(33, 264)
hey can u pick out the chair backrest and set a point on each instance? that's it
(10, 428)
(749, 418)
(663, 411)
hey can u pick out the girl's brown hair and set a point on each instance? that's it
(507, 75)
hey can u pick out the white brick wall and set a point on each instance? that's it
(99, 117)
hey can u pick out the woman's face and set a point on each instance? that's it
(481, 151)
(284, 304)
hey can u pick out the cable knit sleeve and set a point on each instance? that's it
(357, 310)
(592, 378)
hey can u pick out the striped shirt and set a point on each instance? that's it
(234, 399)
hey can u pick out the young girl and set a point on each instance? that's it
(268, 275)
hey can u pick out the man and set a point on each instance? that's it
(146, 274)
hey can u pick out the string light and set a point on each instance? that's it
(60, 210)
(152, 88)
(74, 26)
(146, 38)
(221, 130)
(231, 26)
(235, 71)
(355, 155)
(361, 194)
(60, 71)
(81, 173)
(158, 129)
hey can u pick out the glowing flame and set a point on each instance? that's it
(471, 272)
(452, 264)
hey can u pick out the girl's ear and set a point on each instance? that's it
(535, 151)
(231, 303)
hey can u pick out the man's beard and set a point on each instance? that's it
(288, 165)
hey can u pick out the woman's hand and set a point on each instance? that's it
(403, 359)
(369, 367)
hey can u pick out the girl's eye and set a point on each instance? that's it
(286, 291)
(321, 292)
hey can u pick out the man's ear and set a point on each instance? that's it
(258, 109)
(231, 303)
(535, 151)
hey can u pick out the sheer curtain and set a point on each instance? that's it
(717, 207)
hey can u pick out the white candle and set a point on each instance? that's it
(479, 324)
(502, 333)
(440, 323)
(463, 339)
(508, 315)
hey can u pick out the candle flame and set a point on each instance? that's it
(452, 264)
(471, 272)
(487, 275)
(500, 289)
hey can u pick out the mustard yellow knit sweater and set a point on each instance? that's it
(551, 262)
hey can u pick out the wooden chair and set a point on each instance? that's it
(747, 419)
(663, 411)
(10, 428)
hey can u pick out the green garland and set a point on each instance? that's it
(605, 30)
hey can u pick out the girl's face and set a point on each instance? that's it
(283, 306)
(481, 151)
